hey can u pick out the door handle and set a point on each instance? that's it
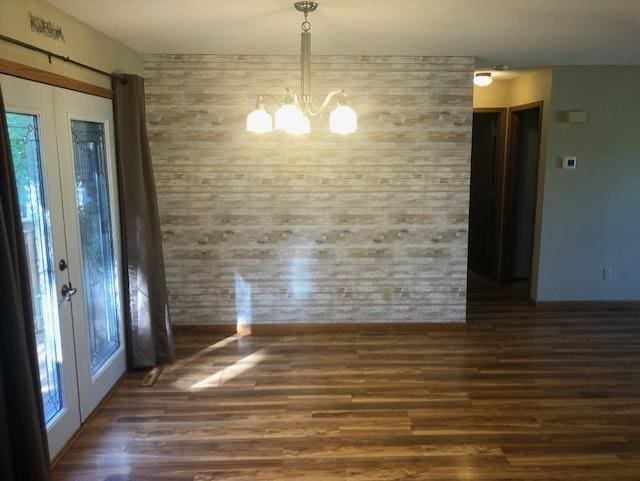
(68, 291)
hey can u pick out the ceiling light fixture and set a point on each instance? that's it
(293, 113)
(483, 79)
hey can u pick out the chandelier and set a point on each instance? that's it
(292, 115)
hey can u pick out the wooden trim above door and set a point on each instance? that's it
(37, 75)
(529, 106)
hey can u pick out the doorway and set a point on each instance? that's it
(487, 157)
(63, 158)
(504, 177)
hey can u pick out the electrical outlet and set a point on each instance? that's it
(607, 273)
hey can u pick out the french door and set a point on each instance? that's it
(63, 156)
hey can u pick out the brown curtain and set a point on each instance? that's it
(149, 338)
(23, 438)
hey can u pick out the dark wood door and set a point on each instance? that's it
(482, 201)
(521, 192)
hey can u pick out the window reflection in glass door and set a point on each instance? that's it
(36, 225)
(96, 241)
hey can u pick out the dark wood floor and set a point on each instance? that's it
(518, 395)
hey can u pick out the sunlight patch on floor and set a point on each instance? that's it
(228, 373)
(203, 352)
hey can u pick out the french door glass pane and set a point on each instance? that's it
(96, 240)
(36, 225)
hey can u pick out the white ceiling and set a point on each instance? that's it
(512, 32)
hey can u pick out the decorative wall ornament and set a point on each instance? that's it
(46, 27)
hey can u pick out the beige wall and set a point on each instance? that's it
(495, 95)
(322, 228)
(531, 86)
(82, 43)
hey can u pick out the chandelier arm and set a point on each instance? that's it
(326, 102)
(272, 97)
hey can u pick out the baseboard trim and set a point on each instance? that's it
(586, 305)
(317, 328)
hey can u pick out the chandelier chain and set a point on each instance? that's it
(305, 7)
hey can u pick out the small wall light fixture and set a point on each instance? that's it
(483, 79)
(573, 117)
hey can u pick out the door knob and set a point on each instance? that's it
(68, 291)
(62, 265)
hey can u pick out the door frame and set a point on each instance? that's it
(511, 154)
(499, 176)
(115, 369)
(46, 77)
(66, 422)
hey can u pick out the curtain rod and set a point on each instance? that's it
(57, 56)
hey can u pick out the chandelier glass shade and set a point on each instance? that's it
(259, 121)
(343, 120)
(289, 118)
(294, 113)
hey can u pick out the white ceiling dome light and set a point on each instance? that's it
(483, 79)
